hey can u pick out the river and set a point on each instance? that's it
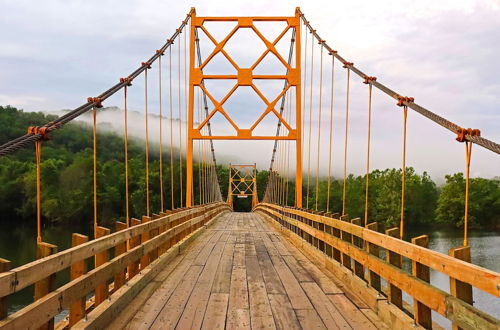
(18, 245)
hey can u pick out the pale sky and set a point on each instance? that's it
(54, 54)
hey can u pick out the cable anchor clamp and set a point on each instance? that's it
(96, 100)
(404, 99)
(348, 65)
(126, 80)
(462, 132)
(369, 79)
(34, 130)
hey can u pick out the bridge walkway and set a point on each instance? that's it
(242, 274)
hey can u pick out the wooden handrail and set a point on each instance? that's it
(25, 275)
(479, 277)
(51, 304)
(444, 303)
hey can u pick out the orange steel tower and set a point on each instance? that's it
(244, 77)
(242, 183)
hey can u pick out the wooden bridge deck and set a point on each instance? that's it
(241, 274)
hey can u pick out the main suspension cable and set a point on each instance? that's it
(485, 143)
(32, 137)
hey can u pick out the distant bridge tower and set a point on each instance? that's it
(244, 76)
(242, 183)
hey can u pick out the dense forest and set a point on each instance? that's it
(67, 183)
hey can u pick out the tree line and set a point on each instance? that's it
(67, 186)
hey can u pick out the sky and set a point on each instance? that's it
(55, 54)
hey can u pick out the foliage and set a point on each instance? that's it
(67, 184)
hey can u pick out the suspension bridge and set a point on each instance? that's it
(190, 262)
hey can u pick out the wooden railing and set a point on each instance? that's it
(133, 249)
(347, 244)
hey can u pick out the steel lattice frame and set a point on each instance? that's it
(244, 77)
(242, 183)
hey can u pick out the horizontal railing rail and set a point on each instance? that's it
(134, 249)
(348, 243)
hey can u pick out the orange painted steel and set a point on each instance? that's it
(242, 183)
(244, 77)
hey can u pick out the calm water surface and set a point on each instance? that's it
(18, 245)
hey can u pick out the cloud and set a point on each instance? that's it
(56, 54)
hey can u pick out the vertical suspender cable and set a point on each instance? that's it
(468, 153)
(125, 142)
(180, 120)
(38, 153)
(403, 179)
(161, 134)
(186, 99)
(94, 133)
(345, 139)
(319, 123)
(310, 123)
(368, 151)
(147, 140)
(331, 137)
(171, 132)
(199, 148)
(304, 99)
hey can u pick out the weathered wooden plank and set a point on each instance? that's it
(171, 312)
(309, 319)
(222, 280)
(284, 315)
(215, 316)
(329, 314)
(295, 293)
(192, 315)
(261, 316)
(238, 316)
(353, 315)
(300, 273)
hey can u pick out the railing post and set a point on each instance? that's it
(328, 230)
(373, 278)
(358, 267)
(133, 268)
(144, 238)
(336, 232)
(120, 248)
(46, 285)
(421, 313)
(321, 227)
(459, 289)
(346, 260)
(394, 293)
(4, 267)
(102, 290)
(77, 307)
